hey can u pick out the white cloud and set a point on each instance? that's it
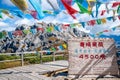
(2, 24)
(4, 17)
(7, 2)
(25, 21)
(5, 26)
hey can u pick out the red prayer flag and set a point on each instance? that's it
(92, 22)
(115, 4)
(66, 24)
(34, 14)
(40, 29)
(69, 9)
(18, 32)
(106, 31)
(103, 12)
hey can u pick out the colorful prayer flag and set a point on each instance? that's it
(38, 8)
(22, 4)
(69, 9)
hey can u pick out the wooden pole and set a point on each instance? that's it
(53, 56)
(22, 59)
(41, 57)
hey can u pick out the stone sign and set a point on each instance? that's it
(92, 57)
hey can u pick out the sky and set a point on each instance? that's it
(10, 24)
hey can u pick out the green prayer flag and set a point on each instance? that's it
(100, 33)
(0, 15)
(48, 29)
(4, 33)
(26, 31)
(82, 9)
(53, 49)
(72, 25)
(118, 9)
(98, 21)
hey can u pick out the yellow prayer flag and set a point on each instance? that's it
(64, 46)
(90, 4)
(103, 20)
(51, 28)
(22, 4)
(7, 13)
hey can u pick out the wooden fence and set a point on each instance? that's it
(54, 54)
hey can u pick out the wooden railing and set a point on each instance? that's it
(21, 54)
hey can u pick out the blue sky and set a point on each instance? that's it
(9, 24)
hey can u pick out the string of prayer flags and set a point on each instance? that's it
(99, 33)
